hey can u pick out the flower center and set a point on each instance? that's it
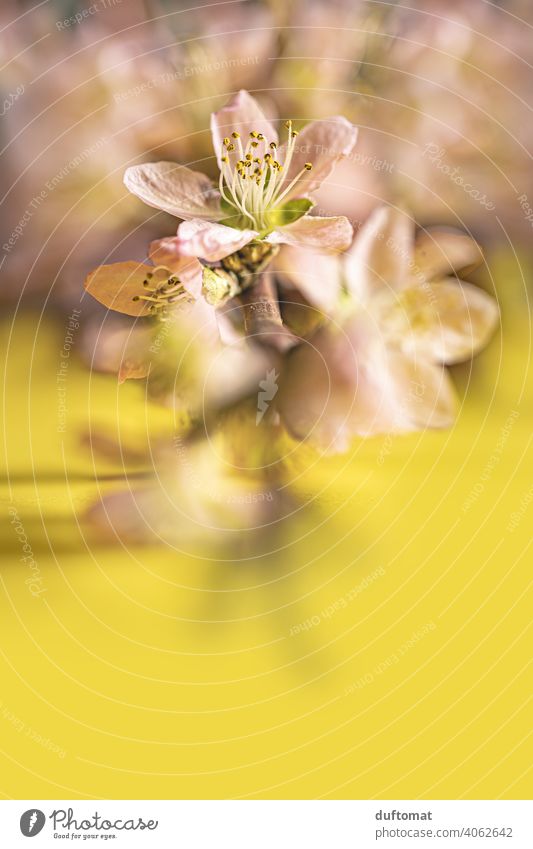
(252, 180)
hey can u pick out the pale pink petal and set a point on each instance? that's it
(188, 269)
(314, 231)
(236, 370)
(316, 275)
(444, 322)
(174, 189)
(381, 255)
(395, 392)
(119, 286)
(210, 241)
(243, 115)
(348, 382)
(313, 400)
(424, 394)
(201, 317)
(339, 386)
(323, 144)
(439, 252)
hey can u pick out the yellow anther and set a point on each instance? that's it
(254, 144)
(294, 133)
(254, 134)
(231, 147)
(261, 137)
(225, 159)
(308, 166)
(236, 135)
(288, 124)
(273, 145)
(226, 141)
(249, 157)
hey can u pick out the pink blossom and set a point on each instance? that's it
(263, 190)
(397, 318)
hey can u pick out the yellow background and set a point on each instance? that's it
(163, 675)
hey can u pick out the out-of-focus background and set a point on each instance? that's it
(373, 642)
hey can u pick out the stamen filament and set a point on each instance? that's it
(255, 183)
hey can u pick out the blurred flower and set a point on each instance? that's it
(195, 495)
(94, 100)
(447, 103)
(199, 489)
(397, 319)
(322, 54)
(163, 81)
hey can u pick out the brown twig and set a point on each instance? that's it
(262, 316)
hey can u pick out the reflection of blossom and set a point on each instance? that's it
(195, 493)
(377, 366)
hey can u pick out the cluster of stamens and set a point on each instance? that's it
(162, 292)
(255, 184)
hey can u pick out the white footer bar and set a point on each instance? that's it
(275, 824)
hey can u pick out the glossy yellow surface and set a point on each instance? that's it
(141, 672)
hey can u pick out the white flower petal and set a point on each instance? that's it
(423, 393)
(332, 234)
(243, 115)
(174, 189)
(444, 322)
(211, 241)
(323, 144)
(439, 252)
(348, 382)
(316, 275)
(381, 254)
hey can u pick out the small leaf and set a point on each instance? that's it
(117, 285)
(288, 212)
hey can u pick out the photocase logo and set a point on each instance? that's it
(269, 388)
(32, 822)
